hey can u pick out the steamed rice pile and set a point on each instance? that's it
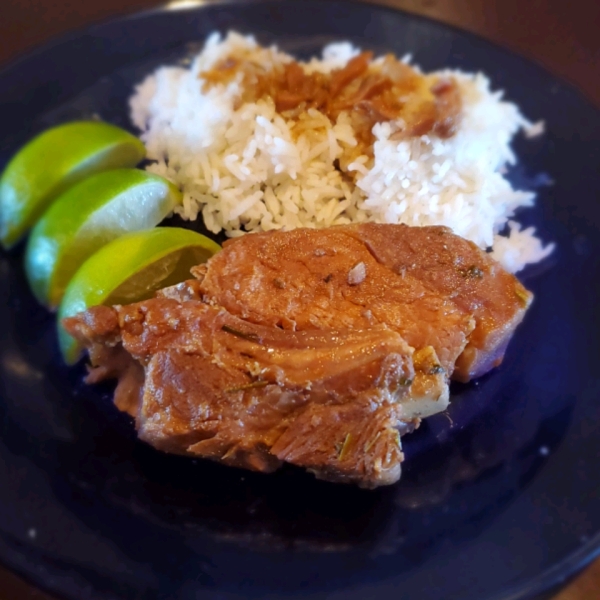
(242, 169)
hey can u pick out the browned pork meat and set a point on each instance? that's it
(314, 347)
(433, 287)
(201, 382)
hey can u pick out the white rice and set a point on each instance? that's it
(241, 169)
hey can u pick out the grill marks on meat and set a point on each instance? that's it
(333, 402)
(314, 347)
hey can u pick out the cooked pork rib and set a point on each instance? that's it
(314, 347)
(334, 402)
(433, 287)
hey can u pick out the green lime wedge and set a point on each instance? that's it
(86, 217)
(54, 161)
(129, 269)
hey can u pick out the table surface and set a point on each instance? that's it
(562, 36)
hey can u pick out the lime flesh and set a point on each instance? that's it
(129, 269)
(86, 217)
(54, 161)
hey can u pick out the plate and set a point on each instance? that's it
(499, 498)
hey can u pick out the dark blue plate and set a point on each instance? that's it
(499, 498)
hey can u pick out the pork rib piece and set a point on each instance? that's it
(201, 382)
(431, 286)
(314, 347)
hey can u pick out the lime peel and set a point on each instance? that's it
(131, 268)
(54, 161)
(88, 216)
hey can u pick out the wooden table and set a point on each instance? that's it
(563, 36)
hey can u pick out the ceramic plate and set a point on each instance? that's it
(499, 498)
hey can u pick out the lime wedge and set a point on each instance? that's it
(129, 269)
(54, 161)
(86, 217)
